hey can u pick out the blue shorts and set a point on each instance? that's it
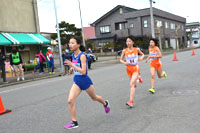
(83, 81)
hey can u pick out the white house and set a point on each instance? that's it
(195, 28)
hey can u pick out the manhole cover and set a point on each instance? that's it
(185, 92)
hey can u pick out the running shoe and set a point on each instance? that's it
(152, 90)
(130, 104)
(71, 125)
(50, 72)
(53, 72)
(165, 75)
(140, 79)
(107, 107)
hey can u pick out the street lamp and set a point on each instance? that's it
(58, 34)
(81, 23)
(152, 20)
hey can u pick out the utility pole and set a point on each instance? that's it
(83, 38)
(152, 20)
(58, 34)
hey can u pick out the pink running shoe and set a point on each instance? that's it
(140, 79)
(107, 107)
(71, 125)
(130, 104)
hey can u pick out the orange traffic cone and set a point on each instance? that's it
(193, 52)
(2, 109)
(175, 59)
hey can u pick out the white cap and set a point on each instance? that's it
(49, 48)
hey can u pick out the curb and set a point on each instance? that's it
(30, 80)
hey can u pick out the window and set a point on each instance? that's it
(121, 26)
(105, 29)
(172, 26)
(182, 27)
(145, 23)
(159, 23)
(131, 25)
(166, 25)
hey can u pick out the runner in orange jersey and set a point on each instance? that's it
(132, 68)
(155, 63)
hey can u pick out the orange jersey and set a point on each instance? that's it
(132, 59)
(155, 62)
(153, 52)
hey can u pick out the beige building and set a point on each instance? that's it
(19, 16)
(19, 28)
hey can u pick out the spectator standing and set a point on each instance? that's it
(66, 55)
(50, 59)
(16, 62)
(41, 60)
(2, 66)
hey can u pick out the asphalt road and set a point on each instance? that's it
(41, 106)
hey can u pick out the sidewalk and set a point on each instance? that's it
(29, 76)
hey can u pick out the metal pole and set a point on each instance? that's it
(58, 34)
(152, 20)
(83, 38)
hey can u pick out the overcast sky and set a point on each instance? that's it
(68, 10)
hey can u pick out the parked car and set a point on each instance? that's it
(119, 52)
(93, 57)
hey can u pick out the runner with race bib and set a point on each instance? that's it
(155, 63)
(82, 81)
(132, 68)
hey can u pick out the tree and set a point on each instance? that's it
(66, 32)
(90, 44)
(159, 27)
(109, 45)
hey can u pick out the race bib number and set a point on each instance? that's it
(78, 65)
(133, 60)
(153, 54)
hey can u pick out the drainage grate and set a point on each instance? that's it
(186, 92)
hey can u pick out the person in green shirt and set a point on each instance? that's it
(16, 63)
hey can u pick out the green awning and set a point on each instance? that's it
(25, 38)
(42, 38)
(4, 41)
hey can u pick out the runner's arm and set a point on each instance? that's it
(159, 53)
(142, 55)
(122, 58)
